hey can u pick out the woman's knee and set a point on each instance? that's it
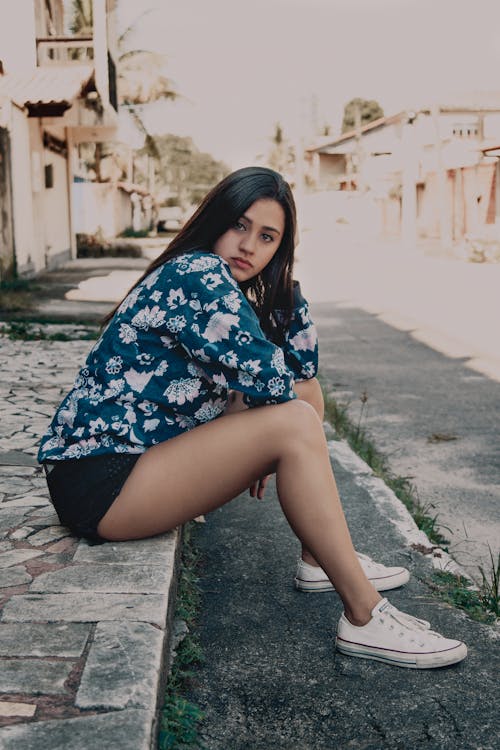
(310, 391)
(302, 422)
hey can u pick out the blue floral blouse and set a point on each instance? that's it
(166, 361)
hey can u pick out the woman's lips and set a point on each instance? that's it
(241, 263)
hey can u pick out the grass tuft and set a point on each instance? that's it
(456, 590)
(180, 718)
(17, 295)
(489, 591)
(26, 331)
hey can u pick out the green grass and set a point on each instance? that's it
(456, 590)
(490, 585)
(481, 602)
(17, 295)
(180, 718)
(20, 330)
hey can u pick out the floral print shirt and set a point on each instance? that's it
(166, 361)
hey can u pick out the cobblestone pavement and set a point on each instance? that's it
(82, 628)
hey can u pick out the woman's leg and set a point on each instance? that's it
(307, 390)
(204, 468)
(310, 391)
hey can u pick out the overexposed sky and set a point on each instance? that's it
(243, 65)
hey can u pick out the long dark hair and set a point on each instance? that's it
(224, 205)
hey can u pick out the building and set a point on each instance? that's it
(57, 90)
(433, 172)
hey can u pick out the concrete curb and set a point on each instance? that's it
(392, 508)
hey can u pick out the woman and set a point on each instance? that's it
(141, 444)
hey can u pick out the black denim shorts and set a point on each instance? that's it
(83, 489)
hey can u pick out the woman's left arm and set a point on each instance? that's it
(300, 345)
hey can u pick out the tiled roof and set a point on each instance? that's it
(51, 84)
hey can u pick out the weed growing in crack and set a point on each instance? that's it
(179, 718)
(30, 331)
(17, 295)
(458, 591)
(489, 591)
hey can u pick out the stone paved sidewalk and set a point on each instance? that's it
(83, 629)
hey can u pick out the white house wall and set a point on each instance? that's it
(100, 208)
(56, 212)
(22, 195)
(39, 247)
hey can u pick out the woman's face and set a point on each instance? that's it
(250, 244)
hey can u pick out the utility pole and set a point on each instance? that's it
(298, 145)
(444, 218)
(359, 147)
(409, 191)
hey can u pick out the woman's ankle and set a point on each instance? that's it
(361, 614)
(309, 559)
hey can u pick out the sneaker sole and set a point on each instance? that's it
(398, 659)
(380, 584)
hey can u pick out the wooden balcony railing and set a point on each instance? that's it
(64, 49)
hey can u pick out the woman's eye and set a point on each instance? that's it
(240, 226)
(267, 238)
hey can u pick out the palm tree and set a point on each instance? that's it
(81, 19)
(141, 78)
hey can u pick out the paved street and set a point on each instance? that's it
(82, 628)
(419, 333)
(270, 677)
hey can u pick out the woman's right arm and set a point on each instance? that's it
(222, 333)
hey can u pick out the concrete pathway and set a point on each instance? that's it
(451, 305)
(271, 678)
(83, 629)
(433, 417)
(418, 331)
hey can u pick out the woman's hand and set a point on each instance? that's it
(257, 488)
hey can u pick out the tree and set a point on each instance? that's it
(141, 73)
(141, 81)
(185, 172)
(281, 155)
(368, 109)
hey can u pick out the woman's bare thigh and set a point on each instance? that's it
(199, 470)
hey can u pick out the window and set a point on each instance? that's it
(49, 176)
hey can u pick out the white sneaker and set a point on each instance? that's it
(397, 638)
(310, 578)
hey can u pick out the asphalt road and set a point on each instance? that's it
(270, 677)
(417, 329)
(434, 418)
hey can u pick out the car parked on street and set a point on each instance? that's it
(170, 219)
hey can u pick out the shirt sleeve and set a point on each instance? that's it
(300, 346)
(220, 331)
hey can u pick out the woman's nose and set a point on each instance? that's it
(248, 242)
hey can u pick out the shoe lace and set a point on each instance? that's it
(409, 622)
(369, 563)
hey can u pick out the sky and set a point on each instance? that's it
(241, 66)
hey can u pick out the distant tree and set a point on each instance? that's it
(185, 172)
(281, 155)
(369, 110)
